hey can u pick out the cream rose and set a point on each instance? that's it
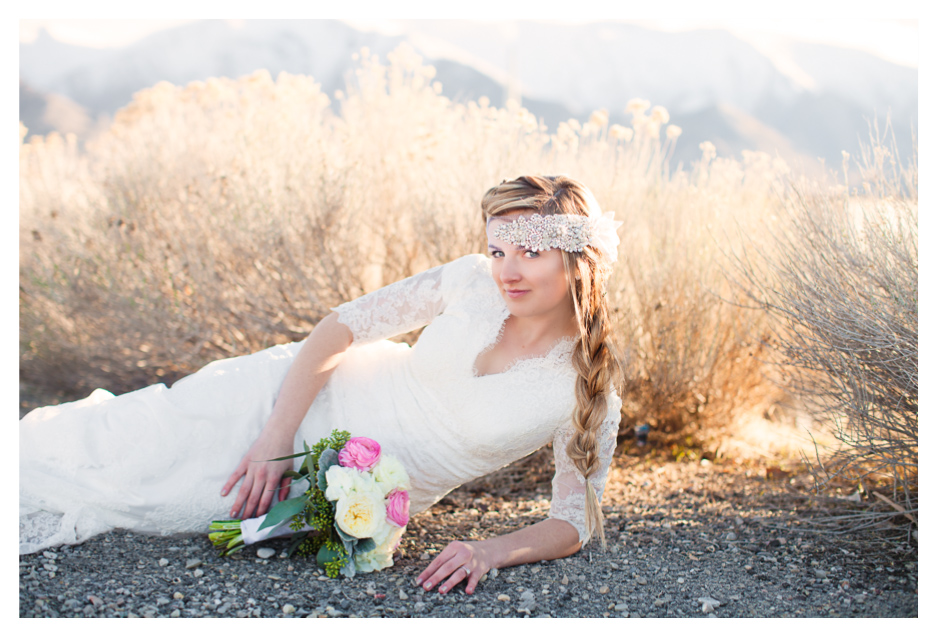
(360, 513)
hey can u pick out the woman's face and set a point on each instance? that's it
(532, 283)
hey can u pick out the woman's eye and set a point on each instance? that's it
(497, 253)
(531, 253)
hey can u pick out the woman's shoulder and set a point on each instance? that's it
(461, 273)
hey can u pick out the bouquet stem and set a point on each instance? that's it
(226, 536)
(230, 536)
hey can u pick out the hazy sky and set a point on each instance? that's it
(893, 39)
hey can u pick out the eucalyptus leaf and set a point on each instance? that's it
(346, 538)
(365, 545)
(328, 459)
(349, 569)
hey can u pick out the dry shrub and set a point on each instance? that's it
(222, 217)
(839, 279)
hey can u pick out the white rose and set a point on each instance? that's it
(360, 513)
(390, 474)
(382, 555)
(340, 482)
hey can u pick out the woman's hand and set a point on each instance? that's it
(458, 561)
(261, 478)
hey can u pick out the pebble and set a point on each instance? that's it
(641, 580)
(731, 537)
(621, 607)
(163, 561)
(424, 556)
(709, 604)
(565, 581)
(402, 595)
(680, 580)
(493, 572)
(193, 563)
(603, 590)
(288, 609)
(175, 613)
(503, 598)
(198, 572)
(178, 595)
(265, 553)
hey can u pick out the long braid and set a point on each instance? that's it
(593, 359)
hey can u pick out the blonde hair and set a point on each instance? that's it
(594, 359)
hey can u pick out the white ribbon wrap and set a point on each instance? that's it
(251, 533)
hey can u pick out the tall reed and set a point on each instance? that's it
(218, 218)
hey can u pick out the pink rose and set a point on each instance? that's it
(398, 507)
(360, 453)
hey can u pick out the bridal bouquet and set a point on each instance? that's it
(351, 517)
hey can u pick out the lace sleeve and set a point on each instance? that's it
(406, 305)
(569, 487)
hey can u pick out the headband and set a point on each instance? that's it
(571, 233)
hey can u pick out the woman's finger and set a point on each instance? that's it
(459, 574)
(473, 580)
(266, 497)
(445, 570)
(257, 489)
(439, 560)
(243, 493)
(285, 488)
(232, 480)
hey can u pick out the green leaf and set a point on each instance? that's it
(298, 538)
(295, 455)
(293, 474)
(365, 545)
(326, 554)
(283, 511)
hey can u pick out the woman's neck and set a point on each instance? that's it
(543, 330)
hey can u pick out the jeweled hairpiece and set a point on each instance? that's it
(571, 233)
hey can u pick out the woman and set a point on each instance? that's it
(514, 355)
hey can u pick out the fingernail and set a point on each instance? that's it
(443, 589)
(419, 581)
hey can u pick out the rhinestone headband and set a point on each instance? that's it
(571, 233)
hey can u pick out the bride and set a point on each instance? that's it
(515, 354)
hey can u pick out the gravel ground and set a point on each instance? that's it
(685, 539)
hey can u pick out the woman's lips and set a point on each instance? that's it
(516, 294)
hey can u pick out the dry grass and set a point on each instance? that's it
(226, 216)
(839, 280)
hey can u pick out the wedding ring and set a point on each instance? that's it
(467, 572)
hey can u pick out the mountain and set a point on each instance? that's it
(802, 101)
(43, 113)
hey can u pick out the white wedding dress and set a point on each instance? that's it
(154, 460)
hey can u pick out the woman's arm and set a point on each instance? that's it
(317, 358)
(547, 540)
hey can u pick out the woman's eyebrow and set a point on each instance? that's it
(494, 247)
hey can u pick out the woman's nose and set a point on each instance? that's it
(510, 273)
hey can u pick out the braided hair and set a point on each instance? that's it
(597, 367)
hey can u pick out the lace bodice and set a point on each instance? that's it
(528, 404)
(154, 460)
